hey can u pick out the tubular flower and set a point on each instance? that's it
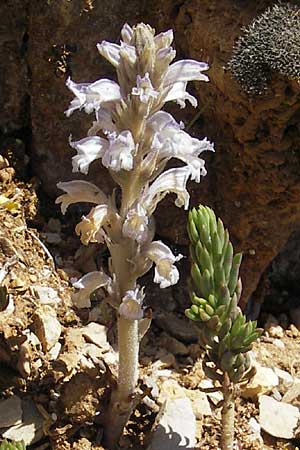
(131, 305)
(134, 139)
(166, 274)
(87, 285)
(79, 191)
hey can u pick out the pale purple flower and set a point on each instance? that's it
(166, 274)
(131, 305)
(90, 96)
(90, 229)
(79, 191)
(119, 154)
(88, 150)
(87, 285)
(136, 224)
(144, 89)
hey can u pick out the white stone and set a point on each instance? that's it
(200, 403)
(279, 419)
(279, 344)
(255, 429)
(263, 382)
(10, 412)
(216, 397)
(96, 334)
(46, 295)
(285, 378)
(31, 428)
(54, 351)
(276, 331)
(176, 427)
(47, 327)
(293, 393)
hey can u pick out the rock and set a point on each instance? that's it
(263, 382)
(293, 393)
(175, 427)
(254, 428)
(173, 345)
(216, 397)
(200, 403)
(10, 411)
(96, 334)
(182, 329)
(46, 295)
(285, 378)
(279, 419)
(295, 317)
(47, 327)
(276, 331)
(278, 343)
(293, 331)
(271, 321)
(52, 238)
(31, 428)
(54, 351)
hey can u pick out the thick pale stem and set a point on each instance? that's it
(227, 436)
(128, 357)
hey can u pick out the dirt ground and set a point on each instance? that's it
(65, 381)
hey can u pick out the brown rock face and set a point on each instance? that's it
(13, 69)
(63, 38)
(253, 179)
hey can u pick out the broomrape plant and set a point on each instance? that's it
(134, 139)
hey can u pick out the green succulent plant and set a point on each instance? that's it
(5, 445)
(225, 333)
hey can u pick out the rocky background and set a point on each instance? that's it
(253, 179)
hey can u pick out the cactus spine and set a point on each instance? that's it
(216, 289)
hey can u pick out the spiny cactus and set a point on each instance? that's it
(270, 43)
(224, 332)
(5, 445)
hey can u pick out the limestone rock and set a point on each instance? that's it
(96, 334)
(293, 393)
(46, 295)
(176, 426)
(263, 382)
(200, 403)
(31, 428)
(10, 411)
(47, 327)
(181, 329)
(278, 418)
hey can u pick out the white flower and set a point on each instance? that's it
(172, 142)
(127, 33)
(87, 285)
(144, 89)
(164, 39)
(114, 52)
(131, 305)
(185, 70)
(166, 274)
(79, 191)
(103, 122)
(177, 77)
(172, 180)
(89, 149)
(91, 96)
(119, 155)
(90, 228)
(136, 224)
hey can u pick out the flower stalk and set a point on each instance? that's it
(225, 334)
(134, 139)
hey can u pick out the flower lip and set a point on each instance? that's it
(86, 285)
(131, 305)
(79, 191)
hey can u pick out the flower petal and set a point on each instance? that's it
(173, 180)
(166, 274)
(161, 120)
(164, 39)
(79, 191)
(178, 93)
(136, 224)
(131, 305)
(186, 70)
(88, 150)
(103, 122)
(87, 285)
(110, 51)
(127, 33)
(120, 152)
(91, 96)
(90, 228)
(144, 89)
